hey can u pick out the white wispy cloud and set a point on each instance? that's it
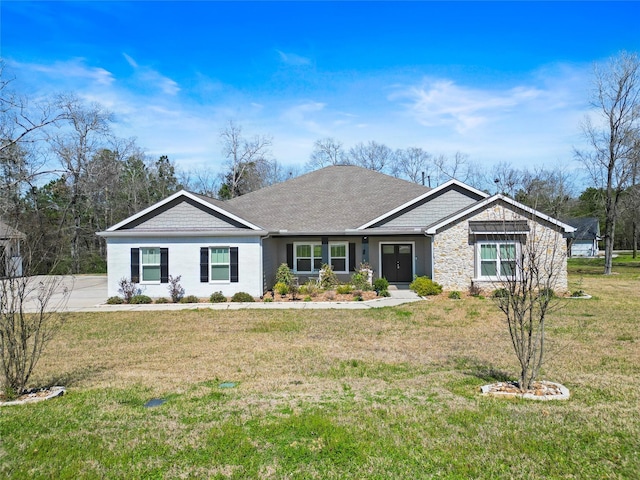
(67, 72)
(532, 121)
(293, 59)
(149, 77)
(443, 102)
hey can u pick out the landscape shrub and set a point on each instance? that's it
(500, 293)
(190, 299)
(455, 295)
(344, 289)
(140, 299)
(267, 299)
(380, 284)
(176, 291)
(357, 295)
(328, 278)
(242, 297)
(307, 298)
(424, 286)
(114, 301)
(217, 297)
(162, 300)
(311, 288)
(127, 289)
(284, 275)
(547, 292)
(281, 288)
(475, 290)
(360, 281)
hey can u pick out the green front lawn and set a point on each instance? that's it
(388, 393)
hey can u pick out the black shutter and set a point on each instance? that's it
(352, 257)
(290, 255)
(324, 249)
(164, 265)
(204, 264)
(233, 256)
(135, 265)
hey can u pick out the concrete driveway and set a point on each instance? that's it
(89, 294)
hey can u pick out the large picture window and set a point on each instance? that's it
(220, 264)
(497, 259)
(150, 264)
(308, 257)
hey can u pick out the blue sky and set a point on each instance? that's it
(501, 82)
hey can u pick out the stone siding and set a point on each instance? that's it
(454, 250)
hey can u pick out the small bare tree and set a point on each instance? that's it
(30, 316)
(528, 273)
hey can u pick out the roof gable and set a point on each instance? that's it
(454, 218)
(183, 210)
(429, 207)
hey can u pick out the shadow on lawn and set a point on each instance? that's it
(471, 366)
(69, 379)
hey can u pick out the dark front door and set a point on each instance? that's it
(397, 262)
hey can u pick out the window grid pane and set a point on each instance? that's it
(219, 255)
(151, 256)
(219, 272)
(150, 273)
(488, 268)
(303, 251)
(488, 252)
(338, 251)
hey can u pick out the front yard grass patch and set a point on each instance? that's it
(378, 393)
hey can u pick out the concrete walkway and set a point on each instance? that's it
(89, 292)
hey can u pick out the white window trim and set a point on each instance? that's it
(498, 278)
(346, 256)
(142, 265)
(228, 264)
(295, 257)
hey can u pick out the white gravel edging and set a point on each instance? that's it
(34, 397)
(494, 390)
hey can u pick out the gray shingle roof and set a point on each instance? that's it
(332, 199)
(587, 228)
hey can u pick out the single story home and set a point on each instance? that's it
(584, 242)
(343, 216)
(10, 257)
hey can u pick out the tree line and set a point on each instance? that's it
(65, 175)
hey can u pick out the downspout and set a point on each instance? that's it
(262, 279)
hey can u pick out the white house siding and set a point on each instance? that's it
(184, 260)
(432, 210)
(454, 250)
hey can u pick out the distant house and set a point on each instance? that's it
(584, 242)
(341, 216)
(10, 257)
